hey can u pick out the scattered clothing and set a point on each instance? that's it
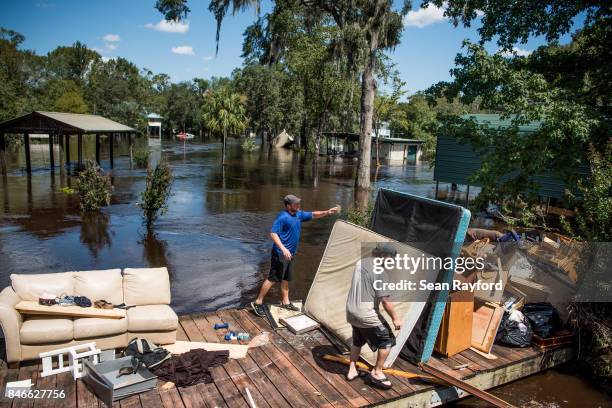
(191, 368)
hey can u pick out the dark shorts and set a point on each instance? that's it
(380, 337)
(280, 268)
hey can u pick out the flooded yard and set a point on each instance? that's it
(214, 237)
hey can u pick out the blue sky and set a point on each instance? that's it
(133, 29)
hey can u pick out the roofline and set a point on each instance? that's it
(66, 126)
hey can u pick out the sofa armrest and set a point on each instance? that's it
(11, 321)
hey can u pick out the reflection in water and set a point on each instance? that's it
(154, 250)
(94, 231)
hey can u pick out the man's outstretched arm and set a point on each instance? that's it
(321, 214)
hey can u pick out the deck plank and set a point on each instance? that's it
(316, 379)
(151, 399)
(234, 370)
(31, 371)
(260, 382)
(372, 394)
(306, 392)
(311, 349)
(11, 374)
(228, 390)
(84, 397)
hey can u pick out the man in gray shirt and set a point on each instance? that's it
(362, 312)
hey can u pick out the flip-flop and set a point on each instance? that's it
(379, 383)
(360, 374)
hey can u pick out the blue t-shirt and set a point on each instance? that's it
(288, 228)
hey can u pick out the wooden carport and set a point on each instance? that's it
(60, 126)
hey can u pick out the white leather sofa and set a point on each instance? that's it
(148, 289)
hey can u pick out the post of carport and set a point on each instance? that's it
(110, 142)
(67, 137)
(98, 148)
(467, 196)
(26, 139)
(51, 153)
(80, 148)
(2, 154)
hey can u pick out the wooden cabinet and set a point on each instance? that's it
(455, 334)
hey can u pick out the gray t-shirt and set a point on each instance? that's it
(363, 302)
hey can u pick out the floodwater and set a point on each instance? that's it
(214, 237)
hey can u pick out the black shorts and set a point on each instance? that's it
(280, 268)
(380, 337)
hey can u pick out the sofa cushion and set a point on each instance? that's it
(31, 287)
(98, 285)
(46, 329)
(146, 286)
(89, 327)
(151, 318)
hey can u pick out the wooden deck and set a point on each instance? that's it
(289, 372)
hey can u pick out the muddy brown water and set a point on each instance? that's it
(214, 237)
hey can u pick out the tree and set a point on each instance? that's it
(562, 87)
(71, 102)
(225, 113)
(154, 198)
(387, 109)
(367, 28)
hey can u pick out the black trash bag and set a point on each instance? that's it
(544, 318)
(514, 330)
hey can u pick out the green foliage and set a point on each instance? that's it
(594, 213)
(249, 145)
(67, 190)
(225, 113)
(141, 158)
(561, 87)
(154, 198)
(359, 216)
(71, 102)
(94, 187)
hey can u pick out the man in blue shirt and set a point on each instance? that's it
(285, 234)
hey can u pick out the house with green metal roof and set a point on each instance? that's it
(456, 162)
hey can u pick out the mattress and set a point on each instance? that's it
(326, 300)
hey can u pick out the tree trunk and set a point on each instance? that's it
(377, 147)
(368, 92)
(223, 149)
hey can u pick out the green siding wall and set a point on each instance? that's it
(456, 162)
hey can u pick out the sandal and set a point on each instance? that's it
(379, 383)
(103, 304)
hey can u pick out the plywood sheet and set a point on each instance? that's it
(235, 350)
(32, 307)
(486, 320)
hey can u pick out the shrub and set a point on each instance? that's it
(154, 198)
(141, 158)
(94, 187)
(249, 144)
(359, 216)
